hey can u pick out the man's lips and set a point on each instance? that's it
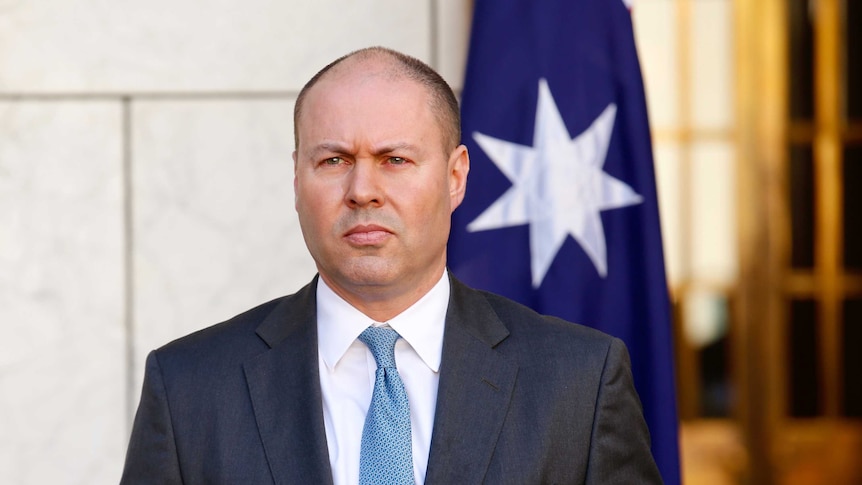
(367, 235)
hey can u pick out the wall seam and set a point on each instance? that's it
(128, 258)
(435, 35)
(149, 96)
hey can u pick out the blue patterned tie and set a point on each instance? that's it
(386, 456)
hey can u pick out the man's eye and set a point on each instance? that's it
(333, 161)
(397, 161)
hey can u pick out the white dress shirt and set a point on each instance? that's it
(347, 370)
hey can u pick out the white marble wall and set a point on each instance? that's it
(146, 191)
(62, 334)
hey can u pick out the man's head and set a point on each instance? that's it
(378, 171)
(442, 99)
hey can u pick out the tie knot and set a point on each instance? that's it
(381, 342)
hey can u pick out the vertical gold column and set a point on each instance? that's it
(763, 226)
(689, 365)
(827, 167)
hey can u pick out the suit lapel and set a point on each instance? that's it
(285, 391)
(476, 383)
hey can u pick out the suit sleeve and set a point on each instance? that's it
(152, 454)
(620, 445)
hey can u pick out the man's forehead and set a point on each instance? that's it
(367, 64)
(363, 85)
(367, 70)
(363, 90)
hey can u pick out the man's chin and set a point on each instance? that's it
(367, 272)
(371, 279)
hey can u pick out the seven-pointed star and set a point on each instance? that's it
(559, 187)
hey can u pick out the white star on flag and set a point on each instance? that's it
(559, 187)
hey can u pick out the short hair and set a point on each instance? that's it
(443, 100)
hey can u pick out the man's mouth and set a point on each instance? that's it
(367, 235)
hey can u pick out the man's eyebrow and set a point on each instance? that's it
(328, 147)
(394, 147)
(342, 148)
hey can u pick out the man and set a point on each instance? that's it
(291, 391)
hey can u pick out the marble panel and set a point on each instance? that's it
(453, 39)
(62, 331)
(215, 231)
(194, 45)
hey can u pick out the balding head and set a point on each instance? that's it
(380, 61)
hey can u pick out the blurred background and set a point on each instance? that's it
(146, 192)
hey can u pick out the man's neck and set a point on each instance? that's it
(381, 304)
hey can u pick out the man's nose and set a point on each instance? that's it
(364, 185)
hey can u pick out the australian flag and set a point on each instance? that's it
(561, 211)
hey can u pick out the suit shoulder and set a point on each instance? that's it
(514, 313)
(243, 335)
(237, 331)
(525, 323)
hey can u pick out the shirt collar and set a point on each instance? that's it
(421, 325)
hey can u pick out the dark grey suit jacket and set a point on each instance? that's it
(523, 399)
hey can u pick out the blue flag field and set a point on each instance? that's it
(561, 211)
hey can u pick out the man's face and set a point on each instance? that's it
(375, 186)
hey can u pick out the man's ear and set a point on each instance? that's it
(459, 166)
(294, 179)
